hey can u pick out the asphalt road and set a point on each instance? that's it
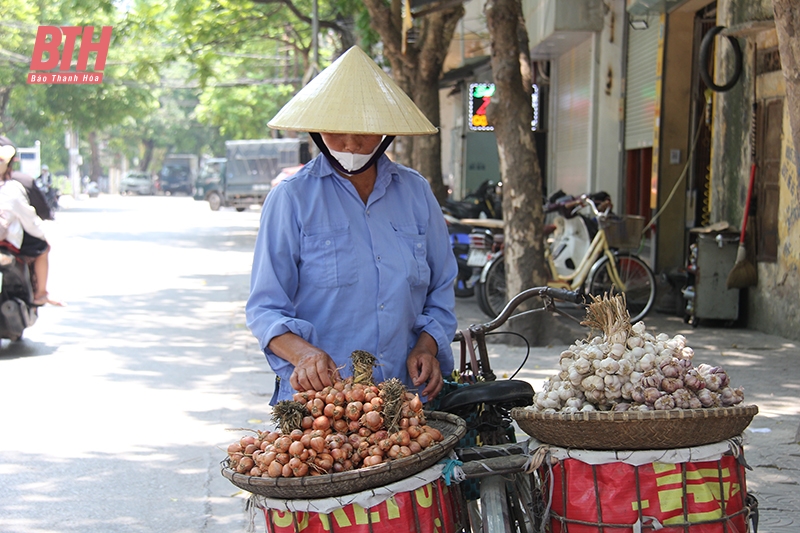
(116, 409)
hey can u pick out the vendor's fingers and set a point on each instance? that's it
(293, 381)
(322, 366)
(317, 380)
(434, 385)
(427, 366)
(419, 369)
(297, 383)
(413, 369)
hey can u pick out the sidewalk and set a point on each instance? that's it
(766, 366)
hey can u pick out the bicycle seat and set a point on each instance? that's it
(508, 393)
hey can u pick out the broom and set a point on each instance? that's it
(744, 274)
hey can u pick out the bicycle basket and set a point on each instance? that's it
(623, 231)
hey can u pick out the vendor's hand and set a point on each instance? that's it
(313, 371)
(423, 367)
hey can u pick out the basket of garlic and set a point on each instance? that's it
(627, 389)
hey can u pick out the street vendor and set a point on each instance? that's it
(353, 251)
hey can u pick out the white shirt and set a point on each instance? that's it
(19, 212)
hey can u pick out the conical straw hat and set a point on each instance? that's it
(352, 95)
(7, 153)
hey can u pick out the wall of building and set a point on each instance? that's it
(772, 304)
(609, 104)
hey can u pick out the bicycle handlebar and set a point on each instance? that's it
(550, 293)
(564, 294)
(477, 332)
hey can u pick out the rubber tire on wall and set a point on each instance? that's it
(705, 50)
(599, 281)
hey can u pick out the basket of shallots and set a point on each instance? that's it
(346, 438)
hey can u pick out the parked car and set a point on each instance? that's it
(137, 183)
(178, 174)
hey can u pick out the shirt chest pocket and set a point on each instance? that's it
(413, 249)
(328, 257)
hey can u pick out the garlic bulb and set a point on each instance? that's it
(670, 385)
(592, 383)
(664, 403)
(583, 366)
(651, 394)
(682, 399)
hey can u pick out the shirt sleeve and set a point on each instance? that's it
(438, 318)
(274, 278)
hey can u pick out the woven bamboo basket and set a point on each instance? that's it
(635, 430)
(329, 485)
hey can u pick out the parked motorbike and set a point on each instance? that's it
(483, 203)
(570, 231)
(459, 240)
(569, 234)
(16, 295)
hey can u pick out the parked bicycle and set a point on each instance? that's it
(505, 501)
(607, 266)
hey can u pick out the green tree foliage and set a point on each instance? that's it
(179, 77)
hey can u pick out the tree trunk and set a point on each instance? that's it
(144, 164)
(417, 72)
(95, 149)
(5, 96)
(510, 113)
(787, 24)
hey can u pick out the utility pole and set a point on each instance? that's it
(314, 36)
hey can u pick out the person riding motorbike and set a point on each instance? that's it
(45, 184)
(23, 224)
(353, 252)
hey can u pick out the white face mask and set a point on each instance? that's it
(352, 162)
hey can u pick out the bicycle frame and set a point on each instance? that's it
(506, 498)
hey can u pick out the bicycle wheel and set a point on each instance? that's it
(491, 292)
(639, 280)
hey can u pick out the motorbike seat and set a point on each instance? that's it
(504, 393)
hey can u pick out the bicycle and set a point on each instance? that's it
(607, 266)
(506, 498)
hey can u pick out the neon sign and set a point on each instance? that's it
(480, 96)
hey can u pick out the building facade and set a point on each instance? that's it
(633, 103)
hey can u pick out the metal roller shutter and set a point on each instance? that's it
(640, 94)
(573, 116)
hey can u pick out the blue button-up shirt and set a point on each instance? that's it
(347, 276)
